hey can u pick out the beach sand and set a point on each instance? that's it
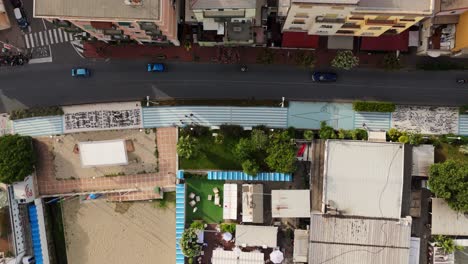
(138, 233)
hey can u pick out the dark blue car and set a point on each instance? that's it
(324, 77)
(156, 67)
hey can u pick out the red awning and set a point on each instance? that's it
(386, 42)
(299, 40)
(101, 25)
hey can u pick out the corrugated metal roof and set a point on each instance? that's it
(340, 240)
(373, 120)
(221, 256)
(423, 158)
(215, 116)
(301, 246)
(364, 178)
(221, 4)
(39, 126)
(252, 203)
(446, 221)
(98, 9)
(256, 236)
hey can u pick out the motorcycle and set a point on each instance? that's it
(243, 68)
(462, 81)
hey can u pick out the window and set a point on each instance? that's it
(303, 15)
(356, 18)
(322, 32)
(125, 24)
(375, 28)
(367, 34)
(295, 28)
(407, 19)
(344, 32)
(326, 26)
(299, 21)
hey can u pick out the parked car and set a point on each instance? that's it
(324, 77)
(156, 67)
(21, 19)
(16, 3)
(80, 72)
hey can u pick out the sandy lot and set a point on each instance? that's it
(141, 161)
(138, 233)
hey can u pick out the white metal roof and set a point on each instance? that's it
(290, 203)
(230, 201)
(103, 153)
(344, 240)
(252, 203)
(222, 4)
(446, 221)
(423, 158)
(221, 256)
(364, 178)
(256, 236)
(301, 246)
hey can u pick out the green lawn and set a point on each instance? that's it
(214, 156)
(207, 210)
(448, 151)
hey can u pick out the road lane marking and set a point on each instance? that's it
(50, 37)
(55, 36)
(65, 35)
(71, 36)
(36, 39)
(46, 39)
(41, 38)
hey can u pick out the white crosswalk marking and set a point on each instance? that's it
(26, 38)
(50, 37)
(41, 38)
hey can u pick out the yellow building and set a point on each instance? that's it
(446, 34)
(355, 17)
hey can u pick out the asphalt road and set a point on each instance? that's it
(52, 84)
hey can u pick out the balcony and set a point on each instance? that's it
(327, 20)
(345, 32)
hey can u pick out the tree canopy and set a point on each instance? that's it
(17, 158)
(449, 180)
(188, 243)
(281, 153)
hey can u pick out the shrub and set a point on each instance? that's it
(17, 158)
(188, 243)
(281, 153)
(359, 134)
(188, 147)
(243, 149)
(368, 106)
(463, 149)
(197, 225)
(250, 167)
(394, 134)
(344, 134)
(326, 132)
(391, 62)
(345, 60)
(234, 131)
(36, 111)
(228, 227)
(305, 59)
(403, 139)
(308, 135)
(446, 243)
(259, 139)
(415, 139)
(266, 56)
(463, 109)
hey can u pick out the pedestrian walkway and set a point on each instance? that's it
(372, 120)
(48, 37)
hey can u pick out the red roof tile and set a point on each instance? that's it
(299, 40)
(386, 42)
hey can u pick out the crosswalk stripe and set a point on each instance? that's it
(26, 39)
(65, 35)
(46, 39)
(41, 38)
(55, 36)
(71, 36)
(50, 37)
(33, 39)
(60, 35)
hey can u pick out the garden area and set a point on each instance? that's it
(206, 210)
(232, 148)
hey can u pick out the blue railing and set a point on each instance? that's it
(240, 176)
(180, 217)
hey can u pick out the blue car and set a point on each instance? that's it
(80, 72)
(156, 67)
(324, 77)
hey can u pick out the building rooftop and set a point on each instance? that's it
(301, 246)
(220, 4)
(364, 178)
(446, 221)
(423, 158)
(256, 236)
(448, 5)
(252, 203)
(402, 6)
(98, 9)
(290, 203)
(344, 240)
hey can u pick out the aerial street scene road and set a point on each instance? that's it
(234, 131)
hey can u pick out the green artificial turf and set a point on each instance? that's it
(213, 156)
(207, 210)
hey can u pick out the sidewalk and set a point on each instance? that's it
(247, 55)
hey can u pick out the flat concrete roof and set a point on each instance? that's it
(423, 6)
(98, 9)
(364, 178)
(446, 221)
(222, 4)
(256, 236)
(422, 158)
(290, 203)
(103, 153)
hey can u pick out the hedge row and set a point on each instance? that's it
(363, 106)
(36, 111)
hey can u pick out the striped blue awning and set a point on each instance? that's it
(39, 126)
